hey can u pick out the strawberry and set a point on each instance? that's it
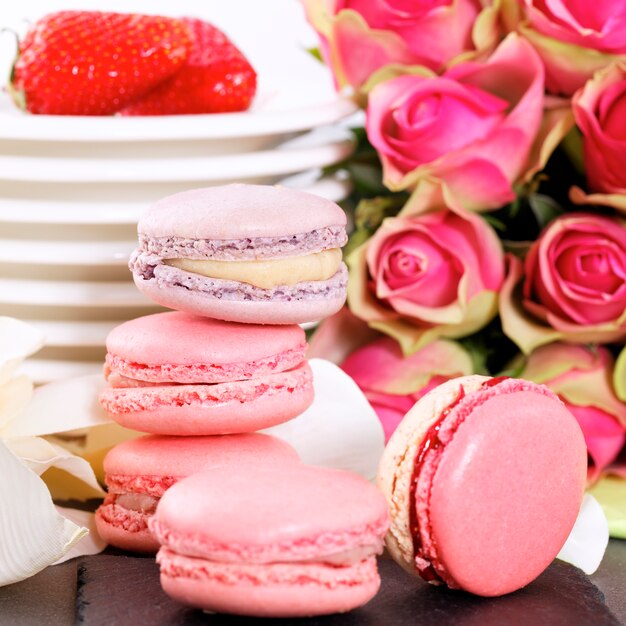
(94, 63)
(216, 78)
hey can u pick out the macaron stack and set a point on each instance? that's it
(242, 265)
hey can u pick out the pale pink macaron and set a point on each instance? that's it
(271, 543)
(244, 253)
(484, 478)
(139, 471)
(179, 374)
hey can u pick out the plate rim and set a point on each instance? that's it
(120, 129)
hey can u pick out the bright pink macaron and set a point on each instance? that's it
(271, 543)
(244, 253)
(179, 374)
(139, 471)
(484, 478)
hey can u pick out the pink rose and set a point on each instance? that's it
(360, 37)
(574, 286)
(338, 336)
(600, 111)
(574, 39)
(472, 128)
(393, 383)
(427, 276)
(581, 376)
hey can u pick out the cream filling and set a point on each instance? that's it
(267, 274)
(140, 502)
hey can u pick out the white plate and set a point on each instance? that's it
(74, 334)
(317, 149)
(79, 213)
(295, 91)
(98, 253)
(83, 294)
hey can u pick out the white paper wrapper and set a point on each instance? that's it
(589, 538)
(32, 533)
(340, 429)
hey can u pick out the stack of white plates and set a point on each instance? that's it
(72, 188)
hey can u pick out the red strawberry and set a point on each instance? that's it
(94, 63)
(216, 78)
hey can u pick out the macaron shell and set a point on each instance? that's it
(294, 311)
(158, 455)
(507, 491)
(395, 471)
(254, 590)
(134, 541)
(239, 211)
(221, 409)
(306, 513)
(198, 340)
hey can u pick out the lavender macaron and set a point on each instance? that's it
(244, 253)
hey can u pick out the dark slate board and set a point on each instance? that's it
(117, 589)
(48, 598)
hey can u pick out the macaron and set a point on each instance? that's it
(244, 253)
(179, 374)
(139, 471)
(271, 543)
(484, 478)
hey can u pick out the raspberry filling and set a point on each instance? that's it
(431, 442)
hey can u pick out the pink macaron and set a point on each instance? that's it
(179, 374)
(271, 543)
(139, 471)
(244, 253)
(484, 478)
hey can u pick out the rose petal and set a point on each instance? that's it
(14, 397)
(517, 324)
(18, 340)
(339, 335)
(357, 51)
(549, 362)
(567, 66)
(340, 429)
(477, 185)
(619, 376)
(40, 455)
(604, 436)
(32, 533)
(480, 310)
(556, 123)
(587, 542)
(381, 366)
(61, 406)
(615, 201)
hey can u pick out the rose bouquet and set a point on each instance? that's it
(489, 198)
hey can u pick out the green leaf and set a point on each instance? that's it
(370, 213)
(367, 179)
(572, 145)
(316, 54)
(494, 222)
(544, 208)
(357, 238)
(475, 346)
